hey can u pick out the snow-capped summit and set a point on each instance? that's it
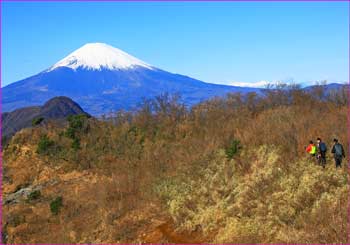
(95, 56)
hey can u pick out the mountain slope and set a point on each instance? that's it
(56, 108)
(102, 79)
(219, 174)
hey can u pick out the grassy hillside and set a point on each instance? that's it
(230, 170)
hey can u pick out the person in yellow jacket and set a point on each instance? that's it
(311, 149)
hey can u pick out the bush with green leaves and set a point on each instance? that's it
(56, 205)
(34, 195)
(76, 125)
(45, 145)
(36, 121)
(70, 133)
(76, 144)
(233, 148)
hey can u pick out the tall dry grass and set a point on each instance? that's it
(269, 192)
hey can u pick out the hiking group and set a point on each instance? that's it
(319, 152)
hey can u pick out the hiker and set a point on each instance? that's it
(338, 152)
(311, 149)
(321, 152)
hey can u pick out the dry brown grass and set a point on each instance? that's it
(172, 161)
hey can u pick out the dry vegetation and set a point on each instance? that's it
(229, 170)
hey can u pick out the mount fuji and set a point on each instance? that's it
(102, 79)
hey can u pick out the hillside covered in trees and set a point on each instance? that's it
(228, 170)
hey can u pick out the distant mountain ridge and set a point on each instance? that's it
(56, 108)
(102, 79)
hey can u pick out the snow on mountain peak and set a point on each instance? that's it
(96, 56)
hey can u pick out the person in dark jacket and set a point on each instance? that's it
(338, 152)
(321, 152)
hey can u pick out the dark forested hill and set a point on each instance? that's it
(55, 108)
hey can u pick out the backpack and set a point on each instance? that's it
(323, 147)
(338, 151)
(313, 150)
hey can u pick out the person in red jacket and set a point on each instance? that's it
(311, 149)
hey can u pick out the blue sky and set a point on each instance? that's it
(220, 42)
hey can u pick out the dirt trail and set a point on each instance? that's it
(166, 233)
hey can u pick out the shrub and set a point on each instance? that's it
(77, 122)
(34, 195)
(70, 133)
(36, 121)
(76, 144)
(45, 145)
(56, 205)
(233, 148)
